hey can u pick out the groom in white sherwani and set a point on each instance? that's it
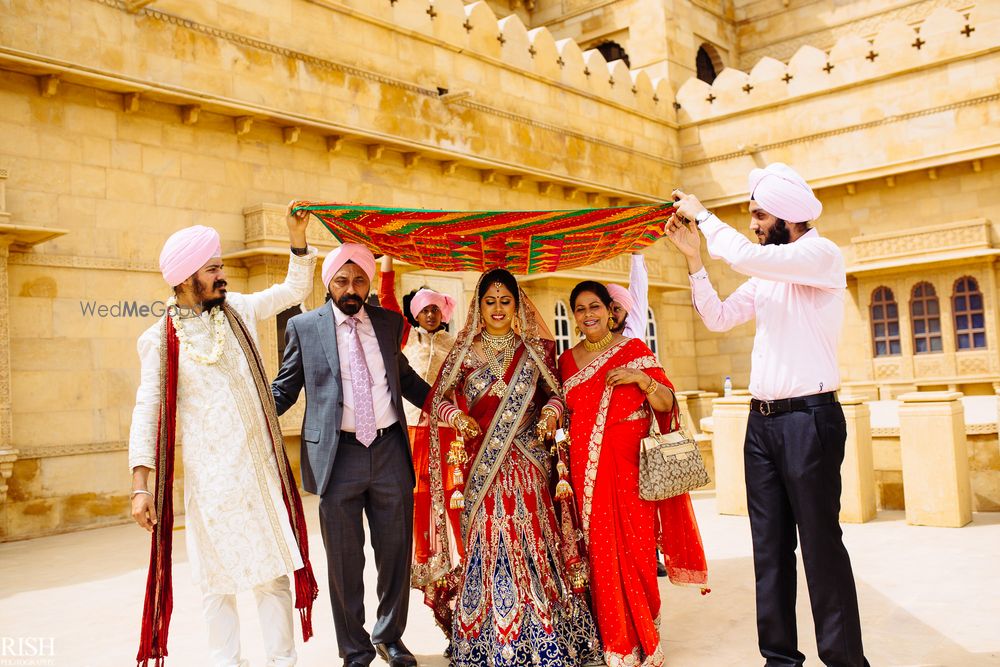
(203, 385)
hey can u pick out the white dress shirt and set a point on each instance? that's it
(636, 325)
(795, 292)
(385, 413)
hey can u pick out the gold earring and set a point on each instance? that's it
(578, 332)
(612, 322)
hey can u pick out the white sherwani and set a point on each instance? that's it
(237, 528)
(425, 352)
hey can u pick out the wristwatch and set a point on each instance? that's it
(300, 251)
(702, 217)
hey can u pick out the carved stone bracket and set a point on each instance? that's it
(7, 458)
(265, 228)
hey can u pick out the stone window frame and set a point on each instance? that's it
(613, 50)
(651, 334)
(962, 307)
(925, 319)
(561, 328)
(711, 58)
(883, 298)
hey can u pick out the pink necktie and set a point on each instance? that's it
(361, 383)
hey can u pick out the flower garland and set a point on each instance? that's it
(219, 324)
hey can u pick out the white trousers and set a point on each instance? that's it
(274, 608)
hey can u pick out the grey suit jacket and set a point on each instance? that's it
(312, 360)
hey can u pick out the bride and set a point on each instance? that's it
(510, 601)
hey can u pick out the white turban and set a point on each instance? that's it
(784, 194)
(426, 297)
(348, 252)
(622, 296)
(186, 251)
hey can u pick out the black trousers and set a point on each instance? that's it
(376, 481)
(792, 462)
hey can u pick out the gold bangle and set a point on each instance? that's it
(651, 387)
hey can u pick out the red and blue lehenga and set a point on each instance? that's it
(509, 601)
(621, 530)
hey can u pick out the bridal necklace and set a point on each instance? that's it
(499, 353)
(599, 345)
(219, 323)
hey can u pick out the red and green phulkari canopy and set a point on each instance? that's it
(521, 241)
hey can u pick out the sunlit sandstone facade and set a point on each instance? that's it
(123, 120)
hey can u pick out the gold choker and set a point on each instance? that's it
(599, 345)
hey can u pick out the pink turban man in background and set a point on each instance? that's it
(796, 430)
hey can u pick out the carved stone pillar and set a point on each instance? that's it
(932, 438)
(7, 453)
(729, 428)
(266, 262)
(857, 496)
(19, 238)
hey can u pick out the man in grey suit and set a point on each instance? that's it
(356, 452)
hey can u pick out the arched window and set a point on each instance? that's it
(885, 323)
(708, 63)
(563, 341)
(925, 314)
(970, 317)
(651, 340)
(613, 51)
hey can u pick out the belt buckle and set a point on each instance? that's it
(765, 408)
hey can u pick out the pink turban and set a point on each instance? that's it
(186, 251)
(427, 297)
(784, 194)
(348, 252)
(622, 296)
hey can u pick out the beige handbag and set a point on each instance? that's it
(669, 463)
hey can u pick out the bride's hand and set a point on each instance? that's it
(465, 425)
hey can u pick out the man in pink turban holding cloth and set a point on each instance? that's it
(355, 449)
(629, 306)
(796, 430)
(203, 383)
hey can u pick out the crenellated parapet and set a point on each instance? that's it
(475, 29)
(944, 35)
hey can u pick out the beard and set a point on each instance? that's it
(778, 234)
(350, 304)
(201, 292)
(620, 327)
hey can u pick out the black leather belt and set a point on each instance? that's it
(351, 436)
(780, 406)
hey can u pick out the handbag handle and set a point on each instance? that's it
(675, 416)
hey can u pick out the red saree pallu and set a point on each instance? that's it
(621, 530)
(420, 443)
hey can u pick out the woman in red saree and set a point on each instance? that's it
(610, 383)
(510, 600)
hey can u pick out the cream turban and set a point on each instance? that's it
(427, 297)
(784, 194)
(622, 296)
(348, 252)
(186, 251)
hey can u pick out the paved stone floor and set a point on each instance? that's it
(929, 597)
